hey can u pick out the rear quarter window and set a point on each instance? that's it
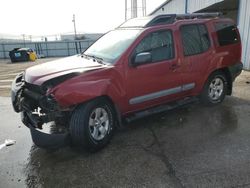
(227, 33)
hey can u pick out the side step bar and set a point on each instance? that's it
(161, 108)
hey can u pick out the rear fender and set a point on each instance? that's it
(220, 61)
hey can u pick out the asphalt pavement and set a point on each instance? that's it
(193, 146)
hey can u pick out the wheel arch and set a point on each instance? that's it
(115, 107)
(226, 72)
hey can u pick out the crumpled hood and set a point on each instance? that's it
(44, 72)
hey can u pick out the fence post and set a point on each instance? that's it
(36, 49)
(4, 55)
(47, 52)
(80, 46)
(76, 47)
(41, 48)
(68, 48)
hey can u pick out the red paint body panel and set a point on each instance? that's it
(123, 82)
(41, 73)
(103, 82)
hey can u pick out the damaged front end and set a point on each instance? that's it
(38, 109)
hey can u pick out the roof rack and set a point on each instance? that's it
(199, 15)
(163, 19)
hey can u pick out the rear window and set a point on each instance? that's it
(226, 33)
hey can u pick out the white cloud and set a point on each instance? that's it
(43, 17)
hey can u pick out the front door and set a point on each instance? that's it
(159, 80)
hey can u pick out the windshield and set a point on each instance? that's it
(111, 46)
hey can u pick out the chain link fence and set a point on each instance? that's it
(48, 49)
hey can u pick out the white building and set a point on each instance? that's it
(239, 10)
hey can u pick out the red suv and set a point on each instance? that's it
(132, 71)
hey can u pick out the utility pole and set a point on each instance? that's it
(126, 9)
(144, 6)
(23, 39)
(74, 21)
(186, 6)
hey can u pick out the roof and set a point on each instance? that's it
(159, 7)
(149, 21)
(163, 19)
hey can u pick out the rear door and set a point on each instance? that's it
(196, 53)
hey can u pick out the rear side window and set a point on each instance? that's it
(195, 39)
(226, 33)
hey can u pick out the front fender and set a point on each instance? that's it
(75, 93)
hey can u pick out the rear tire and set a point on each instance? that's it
(215, 88)
(92, 125)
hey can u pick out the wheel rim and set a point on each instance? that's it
(216, 88)
(99, 123)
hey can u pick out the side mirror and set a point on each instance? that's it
(141, 58)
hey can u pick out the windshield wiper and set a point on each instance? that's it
(95, 58)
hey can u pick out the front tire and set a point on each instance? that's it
(215, 88)
(92, 125)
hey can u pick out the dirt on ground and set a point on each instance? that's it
(8, 72)
(241, 86)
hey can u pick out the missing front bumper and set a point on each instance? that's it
(52, 140)
(26, 101)
(49, 141)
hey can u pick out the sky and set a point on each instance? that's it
(50, 17)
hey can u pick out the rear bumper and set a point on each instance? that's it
(235, 70)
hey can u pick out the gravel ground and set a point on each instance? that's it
(8, 72)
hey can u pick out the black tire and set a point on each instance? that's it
(81, 130)
(219, 95)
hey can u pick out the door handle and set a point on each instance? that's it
(174, 66)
